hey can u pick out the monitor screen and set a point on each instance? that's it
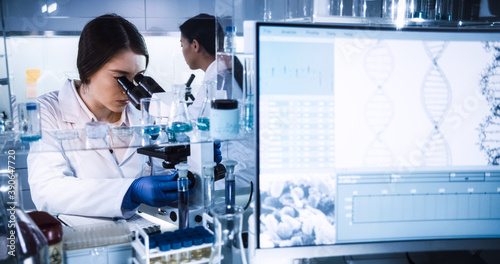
(376, 134)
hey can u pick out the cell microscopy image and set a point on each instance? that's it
(297, 212)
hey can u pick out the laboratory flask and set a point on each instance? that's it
(25, 243)
(203, 120)
(179, 120)
(228, 246)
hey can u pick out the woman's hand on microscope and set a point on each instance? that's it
(156, 190)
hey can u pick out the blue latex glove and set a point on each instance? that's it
(157, 191)
(217, 152)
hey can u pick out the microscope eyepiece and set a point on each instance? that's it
(145, 88)
(138, 78)
(148, 84)
(125, 83)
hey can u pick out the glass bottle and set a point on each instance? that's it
(183, 200)
(179, 120)
(25, 243)
(208, 185)
(228, 247)
(30, 125)
(230, 40)
(230, 181)
(203, 121)
(224, 119)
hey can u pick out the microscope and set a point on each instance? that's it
(194, 154)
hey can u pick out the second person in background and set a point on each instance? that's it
(199, 36)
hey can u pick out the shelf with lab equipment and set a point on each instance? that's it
(111, 138)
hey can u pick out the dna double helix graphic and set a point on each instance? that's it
(379, 110)
(489, 129)
(436, 98)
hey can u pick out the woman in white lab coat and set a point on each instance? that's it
(104, 183)
(198, 36)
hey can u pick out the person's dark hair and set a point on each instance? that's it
(102, 39)
(202, 28)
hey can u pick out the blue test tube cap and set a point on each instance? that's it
(178, 232)
(187, 242)
(200, 229)
(152, 243)
(197, 241)
(168, 234)
(176, 244)
(165, 245)
(208, 238)
(189, 231)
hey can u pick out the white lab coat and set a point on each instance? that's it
(84, 182)
(242, 151)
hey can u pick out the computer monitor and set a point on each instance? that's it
(374, 139)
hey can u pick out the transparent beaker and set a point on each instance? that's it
(183, 191)
(420, 9)
(359, 8)
(299, 10)
(228, 247)
(151, 117)
(97, 134)
(394, 9)
(179, 120)
(230, 190)
(337, 8)
(97, 130)
(444, 10)
(30, 125)
(268, 11)
(203, 120)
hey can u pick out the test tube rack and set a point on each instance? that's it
(176, 246)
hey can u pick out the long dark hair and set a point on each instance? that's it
(102, 39)
(202, 28)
